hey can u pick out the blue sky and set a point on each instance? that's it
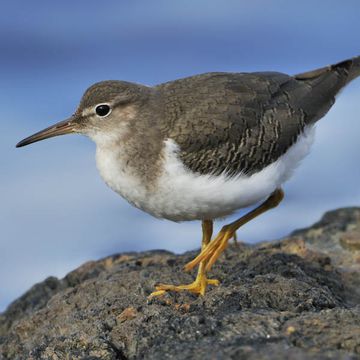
(55, 211)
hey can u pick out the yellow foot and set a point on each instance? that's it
(197, 287)
(213, 250)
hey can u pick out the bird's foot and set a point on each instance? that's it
(197, 287)
(213, 250)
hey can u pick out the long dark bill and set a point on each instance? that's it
(61, 128)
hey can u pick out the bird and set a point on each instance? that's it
(204, 146)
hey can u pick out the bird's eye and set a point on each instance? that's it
(103, 110)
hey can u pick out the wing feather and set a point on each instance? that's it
(242, 122)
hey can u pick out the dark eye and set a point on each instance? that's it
(103, 110)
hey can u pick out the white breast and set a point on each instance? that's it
(182, 195)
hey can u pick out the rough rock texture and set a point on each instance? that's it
(298, 298)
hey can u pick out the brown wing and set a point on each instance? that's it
(242, 122)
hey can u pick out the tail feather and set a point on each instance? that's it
(354, 68)
(324, 84)
(348, 70)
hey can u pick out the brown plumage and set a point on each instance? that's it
(242, 122)
(222, 122)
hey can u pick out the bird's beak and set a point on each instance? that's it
(61, 128)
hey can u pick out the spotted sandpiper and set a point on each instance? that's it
(202, 147)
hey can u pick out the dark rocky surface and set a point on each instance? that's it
(298, 298)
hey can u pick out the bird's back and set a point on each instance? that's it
(242, 122)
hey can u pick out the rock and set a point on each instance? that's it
(297, 298)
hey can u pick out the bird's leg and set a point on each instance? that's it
(211, 252)
(201, 281)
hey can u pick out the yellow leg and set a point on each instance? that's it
(201, 281)
(211, 252)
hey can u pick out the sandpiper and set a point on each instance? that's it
(202, 147)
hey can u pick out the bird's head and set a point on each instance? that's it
(105, 111)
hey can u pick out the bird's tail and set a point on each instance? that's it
(347, 69)
(354, 68)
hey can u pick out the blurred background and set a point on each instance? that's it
(55, 211)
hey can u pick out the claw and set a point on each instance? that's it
(156, 293)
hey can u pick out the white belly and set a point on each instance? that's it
(182, 195)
